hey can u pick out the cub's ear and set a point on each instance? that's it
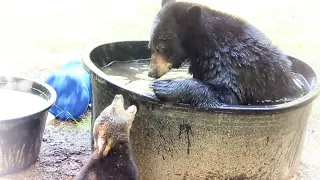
(193, 14)
(164, 2)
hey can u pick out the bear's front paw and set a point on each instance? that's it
(166, 89)
(208, 105)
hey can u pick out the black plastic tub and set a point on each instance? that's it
(21, 131)
(179, 142)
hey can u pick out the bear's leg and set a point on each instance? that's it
(196, 93)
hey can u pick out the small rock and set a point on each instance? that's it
(51, 170)
(74, 166)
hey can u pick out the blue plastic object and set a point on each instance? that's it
(73, 87)
(75, 67)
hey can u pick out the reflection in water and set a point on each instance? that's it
(134, 74)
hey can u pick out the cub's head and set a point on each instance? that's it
(112, 126)
(174, 27)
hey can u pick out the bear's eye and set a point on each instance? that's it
(160, 48)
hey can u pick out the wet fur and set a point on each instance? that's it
(117, 165)
(231, 61)
(112, 156)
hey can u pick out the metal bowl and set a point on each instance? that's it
(21, 133)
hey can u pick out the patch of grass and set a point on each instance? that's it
(83, 124)
(63, 125)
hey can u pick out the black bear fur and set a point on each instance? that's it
(232, 62)
(112, 157)
(117, 165)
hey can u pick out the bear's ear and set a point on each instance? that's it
(193, 14)
(164, 2)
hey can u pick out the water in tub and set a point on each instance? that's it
(14, 104)
(134, 75)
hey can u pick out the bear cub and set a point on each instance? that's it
(232, 62)
(112, 156)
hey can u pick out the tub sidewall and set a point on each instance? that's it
(170, 143)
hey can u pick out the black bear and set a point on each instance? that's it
(112, 156)
(232, 62)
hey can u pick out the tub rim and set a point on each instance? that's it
(52, 97)
(242, 109)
